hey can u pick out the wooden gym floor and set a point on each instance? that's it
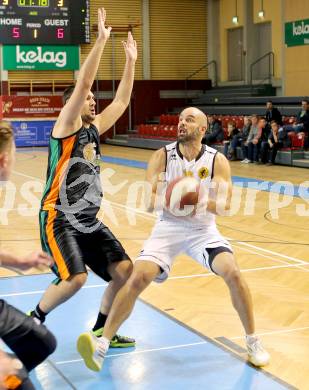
(271, 246)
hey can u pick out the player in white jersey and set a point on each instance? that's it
(195, 235)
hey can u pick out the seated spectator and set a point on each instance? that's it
(272, 113)
(301, 124)
(239, 139)
(232, 131)
(278, 138)
(253, 133)
(214, 132)
(254, 144)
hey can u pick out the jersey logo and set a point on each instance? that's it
(89, 152)
(188, 173)
(203, 173)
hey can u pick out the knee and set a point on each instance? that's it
(123, 272)
(232, 276)
(139, 281)
(77, 281)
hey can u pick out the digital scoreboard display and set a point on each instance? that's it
(44, 22)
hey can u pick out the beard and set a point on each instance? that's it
(88, 118)
(186, 138)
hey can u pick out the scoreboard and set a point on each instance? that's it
(47, 22)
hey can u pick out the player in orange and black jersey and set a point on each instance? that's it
(70, 230)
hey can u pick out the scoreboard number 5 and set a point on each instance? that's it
(16, 32)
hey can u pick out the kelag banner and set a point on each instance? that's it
(30, 106)
(40, 57)
(32, 133)
(297, 33)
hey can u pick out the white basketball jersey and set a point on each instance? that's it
(202, 169)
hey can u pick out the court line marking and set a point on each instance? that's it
(262, 255)
(273, 332)
(152, 216)
(299, 265)
(140, 352)
(242, 271)
(184, 345)
(170, 278)
(271, 252)
(43, 291)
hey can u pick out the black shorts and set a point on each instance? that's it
(73, 249)
(31, 341)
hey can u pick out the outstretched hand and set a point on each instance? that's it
(103, 32)
(36, 259)
(130, 48)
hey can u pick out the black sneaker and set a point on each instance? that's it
(117, 341)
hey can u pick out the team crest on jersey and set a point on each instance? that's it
(89, 152)
(188, 173)
(203, 173)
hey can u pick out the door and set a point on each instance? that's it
(235, 54)
(263, 46)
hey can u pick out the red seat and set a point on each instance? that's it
(298, 141)
(162, 119)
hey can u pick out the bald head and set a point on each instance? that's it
(192, 125)
(200, 117)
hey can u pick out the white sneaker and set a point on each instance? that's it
(93, 350)
(257, 355)
(245, 161)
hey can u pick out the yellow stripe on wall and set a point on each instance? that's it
(178, 36)
(119, 13)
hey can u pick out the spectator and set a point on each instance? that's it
(214, 132)
(277, 139)
(232, 131)
(239, 139)
(302, 120)
(254, 146)
(248, 147)
(272, 113)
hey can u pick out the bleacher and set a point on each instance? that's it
(153, 136)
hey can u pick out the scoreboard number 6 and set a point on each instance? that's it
(60, 33)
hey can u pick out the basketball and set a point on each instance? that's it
(182, 192)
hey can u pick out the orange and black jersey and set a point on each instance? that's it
(73, 175)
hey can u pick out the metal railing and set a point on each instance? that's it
(214, 63)
(271, 67)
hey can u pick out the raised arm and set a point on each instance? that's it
(113, 111)
(69, 119)
(154, 174)
(221, 191)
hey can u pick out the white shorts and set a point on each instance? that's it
(168, 239)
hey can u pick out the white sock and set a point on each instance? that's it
(104, 342)
(251, 338)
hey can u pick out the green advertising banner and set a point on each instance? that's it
(297, 33)
(40, 57)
